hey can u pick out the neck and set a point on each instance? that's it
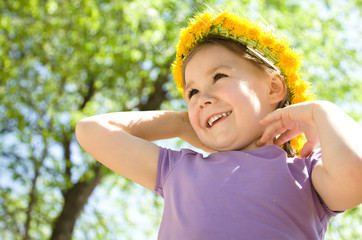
(254, 145)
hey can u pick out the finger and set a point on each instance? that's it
(274, 129)
(273, 116)
(307, 149)
(285, 137)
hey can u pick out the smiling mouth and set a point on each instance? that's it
(216, 118)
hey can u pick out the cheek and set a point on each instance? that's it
(193, 116)
(239, 94)
(246, 101)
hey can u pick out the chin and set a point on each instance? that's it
(231, 146)
(224, 148)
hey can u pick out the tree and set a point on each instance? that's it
(61, 61)
(64, 60)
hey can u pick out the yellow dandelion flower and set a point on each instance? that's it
(302, 92)
(289, 61)
(298, 143)
(267, 40)
(240, 29)
(280, 46)
(229, 24)
(292, 79)
(253, 33)
(219, 19)
(178, 79)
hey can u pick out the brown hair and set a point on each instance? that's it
(249, 54)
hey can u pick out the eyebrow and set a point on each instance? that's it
(209, 72)
(213, 70)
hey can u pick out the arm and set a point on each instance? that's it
(338, 177)
(120, 140)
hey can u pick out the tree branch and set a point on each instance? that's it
(32, 193)
(89, 94)
(74, 201)
(67, 152)
(157, 97)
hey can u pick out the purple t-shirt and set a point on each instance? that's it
(254, 194)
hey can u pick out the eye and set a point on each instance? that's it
(219, 76)
(192, 92)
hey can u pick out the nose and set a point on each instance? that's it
(206, 100)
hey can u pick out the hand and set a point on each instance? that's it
(288, 123)
(189, 135)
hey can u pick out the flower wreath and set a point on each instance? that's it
(252, 35)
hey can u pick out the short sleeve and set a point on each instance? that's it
(312, 161)
(167, 160)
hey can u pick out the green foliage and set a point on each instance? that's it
(63, 60)
(346, 226)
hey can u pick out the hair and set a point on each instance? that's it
(252, 56)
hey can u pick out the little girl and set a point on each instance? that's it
(248, 106)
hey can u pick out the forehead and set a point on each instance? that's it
(213, 56)
(210, 54)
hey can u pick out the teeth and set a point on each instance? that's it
(216, 117)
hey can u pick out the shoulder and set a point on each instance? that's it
(301, 168)
(305, 164)
(168, 160)
(305, 167)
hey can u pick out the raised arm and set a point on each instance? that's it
(121, 141)
(338, 177)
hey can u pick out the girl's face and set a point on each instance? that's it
(227, 96)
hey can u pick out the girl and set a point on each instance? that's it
(245, 99)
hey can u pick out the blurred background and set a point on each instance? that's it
(61, 61)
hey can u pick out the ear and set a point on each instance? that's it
(277, 88)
